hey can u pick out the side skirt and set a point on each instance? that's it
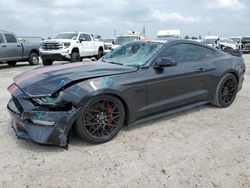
(169, 112)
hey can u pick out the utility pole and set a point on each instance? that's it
(144, 31)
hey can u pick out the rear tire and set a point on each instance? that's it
(75, 57)
(47, 62)
(101, 120)
(226, 91)
(12, 63)
(34, 59)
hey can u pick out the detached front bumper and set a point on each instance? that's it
(53, 129)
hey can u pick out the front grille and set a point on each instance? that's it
(247, 47)
(51, 46)
(17, 104)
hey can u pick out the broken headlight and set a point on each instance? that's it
(44, 100)
(47, 100)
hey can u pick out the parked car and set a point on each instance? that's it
(165, 34)
(107, 45)
(30, 39)
(137, 82)
(209, 40)
(13, 51)
(124, 39)
(245, 44)
(72, 46)
(223, 43)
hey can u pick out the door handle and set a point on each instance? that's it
(4, 46)
(18, 45)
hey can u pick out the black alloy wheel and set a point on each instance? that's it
(102, 119)
(226, 91)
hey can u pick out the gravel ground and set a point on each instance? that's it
(203, 147)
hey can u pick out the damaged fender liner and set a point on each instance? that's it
(56, 134)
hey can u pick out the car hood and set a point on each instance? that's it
(47, 80)
(234, 46)
(58, 40)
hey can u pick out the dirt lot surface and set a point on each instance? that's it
(203, 147)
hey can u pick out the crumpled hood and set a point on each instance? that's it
(48, 80)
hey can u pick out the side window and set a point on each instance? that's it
(87, 37)
(82, 36)
(10, 38)
(188, 53)
(1, 38)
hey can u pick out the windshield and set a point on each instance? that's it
(133, 54)
(236, 40)
(210, 41)
(246, 40)
(71, 36)
(227, 41)
(125, 39)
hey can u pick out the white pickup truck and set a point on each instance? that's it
(72, 46)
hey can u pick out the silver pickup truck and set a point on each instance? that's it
(13, 51)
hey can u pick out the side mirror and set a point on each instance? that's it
(81, 39)
(165, 62)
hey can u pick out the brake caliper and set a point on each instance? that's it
(110, 116)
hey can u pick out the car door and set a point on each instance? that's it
(87, 45)
(185, 83)
(2, 48)
(13, 49)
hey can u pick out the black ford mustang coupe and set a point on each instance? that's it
(134, 83)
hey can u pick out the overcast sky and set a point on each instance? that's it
(193, 17)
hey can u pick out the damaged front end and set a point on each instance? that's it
(43, 119)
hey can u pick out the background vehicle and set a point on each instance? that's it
(163, 34)
(209, 40)
(245, 44)
(237, 40)
(30, 39)
(223, 43)
(107, 44)
(13, 51)
(131, 84)
(126, 38)
(72, 46)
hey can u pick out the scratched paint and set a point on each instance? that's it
(108, 82)
(41, 115)
(76, 91)
(61, 83)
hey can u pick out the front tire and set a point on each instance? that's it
(100, 54)
(47, 62)
(34, 59)
(226, 91)
(101, 120)
(75, 57)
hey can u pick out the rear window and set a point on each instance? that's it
(10, 38)
(1, 38)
